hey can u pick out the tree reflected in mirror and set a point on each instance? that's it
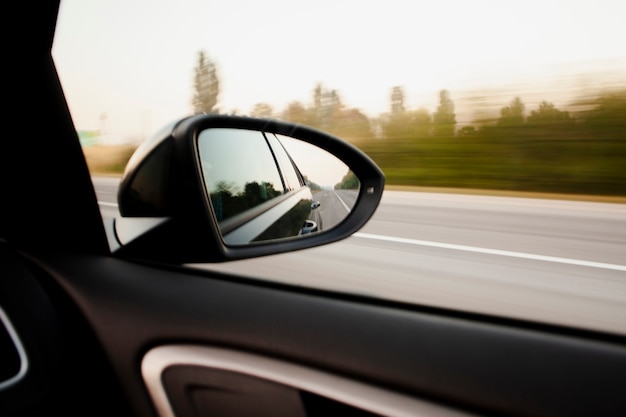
(228, 200)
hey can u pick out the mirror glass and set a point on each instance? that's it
(264, 186)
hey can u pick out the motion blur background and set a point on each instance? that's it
(460, 101)
(475, 95)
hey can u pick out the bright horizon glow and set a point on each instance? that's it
(127, 66)
(319, 166)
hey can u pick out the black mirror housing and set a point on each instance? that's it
(164, 180)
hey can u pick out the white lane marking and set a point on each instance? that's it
(342, 202)
(475, 249)
(493, 251)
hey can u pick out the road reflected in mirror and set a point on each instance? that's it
(263, 187)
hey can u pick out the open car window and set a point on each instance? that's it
(500, 131)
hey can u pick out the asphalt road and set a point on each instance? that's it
(560, 262)
(334, 206)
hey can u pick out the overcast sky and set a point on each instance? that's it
(128, 65)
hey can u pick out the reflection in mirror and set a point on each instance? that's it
(264, 187)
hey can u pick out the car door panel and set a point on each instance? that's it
(476, 364)
(65, 368)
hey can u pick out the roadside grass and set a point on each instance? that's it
(567, 170)
(109, 159)
(504, 193)
(560, 167)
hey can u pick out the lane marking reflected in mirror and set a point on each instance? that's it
(343, 203)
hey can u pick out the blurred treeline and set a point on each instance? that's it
(542, 149)
(348, 182)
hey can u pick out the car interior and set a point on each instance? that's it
(88, 331)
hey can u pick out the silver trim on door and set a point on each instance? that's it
(347, 391)
(4, 319)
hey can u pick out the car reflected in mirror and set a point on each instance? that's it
(264, 187)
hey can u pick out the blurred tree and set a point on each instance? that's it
(607, 117)
(421, 123)
(328, 113)
(351, 124)
(513, 114)
(547, 114)
(397, 100)
(466, 131)
(206, 85)
(317, 96)
(262, 110)
(331, 109)
(326, 109)
(296, 113)
(444, 119)
(396, 123)
(316, 111)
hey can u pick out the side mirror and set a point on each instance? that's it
(211, 188)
